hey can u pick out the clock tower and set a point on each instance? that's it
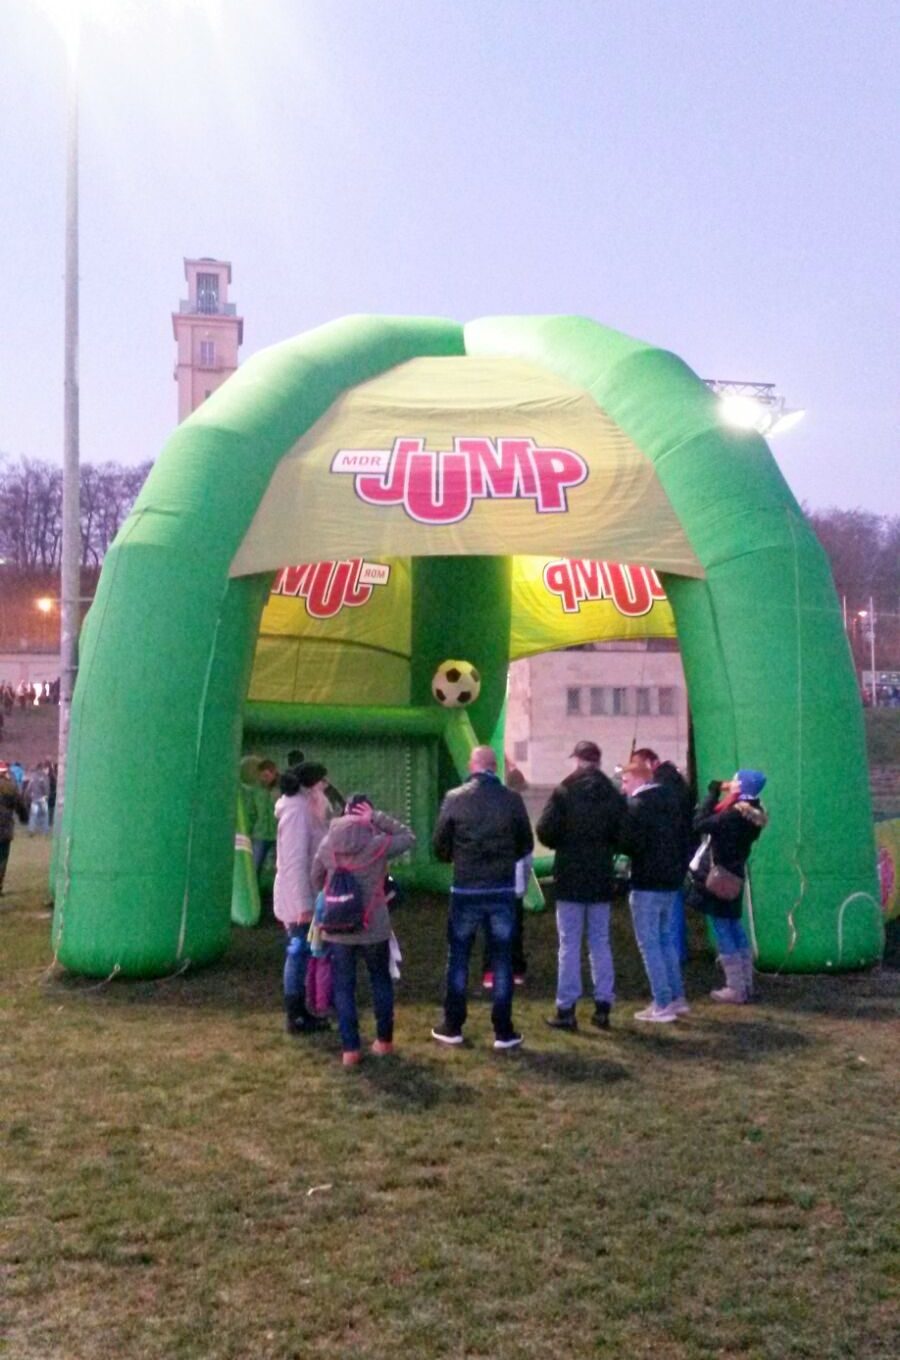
(208, 332)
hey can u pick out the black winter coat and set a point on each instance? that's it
(482, 829)
(652, 836)
(731, 837)
(582, 822)
(671, 778)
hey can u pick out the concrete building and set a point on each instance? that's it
(208, 333)
(618, 694)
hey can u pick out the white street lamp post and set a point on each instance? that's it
(70, 584)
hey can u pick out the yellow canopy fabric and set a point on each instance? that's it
(463, 455)
(339, 632)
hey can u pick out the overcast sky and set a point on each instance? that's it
(718, 177)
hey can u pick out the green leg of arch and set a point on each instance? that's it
(146, 845)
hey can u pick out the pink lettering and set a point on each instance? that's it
(632, 589)
(558, 580)
(437, 488)
(389, 489)
(557, 470)
(502, 471)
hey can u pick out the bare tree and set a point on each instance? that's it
(31, 510)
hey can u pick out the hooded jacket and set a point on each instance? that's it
(364, 848)
(732, 833)
(582, 822)
(652, 836)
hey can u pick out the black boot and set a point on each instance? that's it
(600, 1018)
(298, 1020)
(563, 1019)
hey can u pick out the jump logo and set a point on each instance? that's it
(328, 587)
(633, 590)
(441, 488)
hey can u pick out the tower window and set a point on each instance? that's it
(207, 292)
(573, 700)
(643, 699)
(207, 353)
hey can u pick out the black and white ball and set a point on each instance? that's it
(456, 684)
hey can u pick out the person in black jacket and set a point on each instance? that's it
(652, 838)
(581, 822)
(482, 829)
(731, 819)
(667, 774)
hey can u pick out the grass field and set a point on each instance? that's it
(179, 1179)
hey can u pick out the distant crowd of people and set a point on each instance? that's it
(27, 797)
(27, 694)
(886, 696)
(332, 889)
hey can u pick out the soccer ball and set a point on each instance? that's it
(456, 684)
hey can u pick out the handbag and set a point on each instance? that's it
(723, 884)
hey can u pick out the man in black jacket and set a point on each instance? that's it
(652, 836)
(667, 774)
(581, 822)
(482, 829)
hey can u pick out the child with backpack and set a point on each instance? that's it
(350, 866)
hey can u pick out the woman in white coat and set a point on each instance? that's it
(302, 816)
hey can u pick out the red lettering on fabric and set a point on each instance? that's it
(328, 587)
(631, 589)
(440, 488)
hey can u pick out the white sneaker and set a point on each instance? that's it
(679, 1006)
(656, 1015)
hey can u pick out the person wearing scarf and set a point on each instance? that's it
(730, 820)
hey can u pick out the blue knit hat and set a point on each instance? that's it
(752, 782)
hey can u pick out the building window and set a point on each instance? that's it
(642, 694)
(207, 353)
(520, 750)
(620, 701)
(207, 293)
(599, 702)
(573, 700)
(667, 700)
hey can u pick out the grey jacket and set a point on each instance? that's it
(364, 849)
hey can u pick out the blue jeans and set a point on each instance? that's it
(260, 853)
(571, 918)
(679, 926)
(495, 910)
(731, 937)
(297, 956)
(343, 967)
(651, 913)
(39, 817)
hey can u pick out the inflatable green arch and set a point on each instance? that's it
(144, 856)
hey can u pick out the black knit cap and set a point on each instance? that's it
(309, 772)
